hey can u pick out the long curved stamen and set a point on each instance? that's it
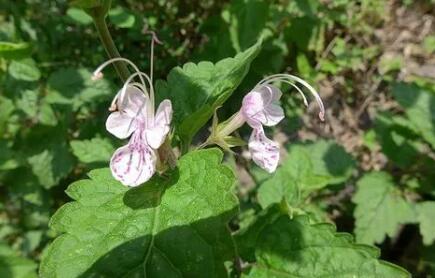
(291, 79)
(98, 74)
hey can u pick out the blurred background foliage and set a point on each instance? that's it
(369, 168)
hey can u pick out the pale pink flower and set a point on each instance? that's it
(260, 107)
(135, 163)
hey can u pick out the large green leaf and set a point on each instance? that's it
(419, 104)
(196, 90)
(172, 226)
(380, 208)
(14, 266)
(287, 247)
(309, 167)
(426, 216)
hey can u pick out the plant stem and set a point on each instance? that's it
(109, 46)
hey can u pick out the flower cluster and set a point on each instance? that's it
(133, 116)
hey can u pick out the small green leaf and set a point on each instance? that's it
(24, 70)
(9, 50)
(94, 150)
(196, 90)
(172, 226)
(426, 214)
(380, 208)
(8, 158)
(121, 18)
(79, 16)
(287, 247)
(419, 105)
(14, 266)
(309, 167)
(51, 165)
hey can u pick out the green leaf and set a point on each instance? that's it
(51, 165)
(8, 158)
(38, 110)
(380, 208)
(196, 90)
(79, 16)
(419, 105)
(24, 70)
(14, 266)
(173, 226)
(9, 50)
(121, 18)
(309, 167)
(425, 215)
(75, 87)
(287, 247)
(398, 139)
(94, 150)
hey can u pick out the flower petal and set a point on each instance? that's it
(134, 163)
(156, 134)
(264, 151)
(134, 102)
(120, 125)
(260, 106)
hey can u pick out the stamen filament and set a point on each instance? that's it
(291, 79)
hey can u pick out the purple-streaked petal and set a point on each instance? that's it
(134, 163)
(264, 152)
(156, 134)
(120, 125)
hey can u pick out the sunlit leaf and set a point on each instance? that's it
(172, 226)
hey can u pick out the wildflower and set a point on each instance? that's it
(133, 116)
(260, 108)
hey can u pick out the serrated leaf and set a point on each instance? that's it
(38, 110)
(75, 87)
(196, 90)
(426, 216)
(309, 167)
(419, 104)
(173, 226)
(94, 150)
(380, 208)
(287, 247)
(51, 165)
(9, 50)
(25, 69)
(14, 266)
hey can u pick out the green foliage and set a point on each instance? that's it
(419, 105)
(12, 265)
(24, 70)
(94, 150)
(287, 247)
(172, 226)
(308, 168)
(380, 209)
(425, 212)
(206, 86)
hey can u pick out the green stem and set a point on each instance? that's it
(109, 46)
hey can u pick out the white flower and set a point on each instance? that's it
(135, 163)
